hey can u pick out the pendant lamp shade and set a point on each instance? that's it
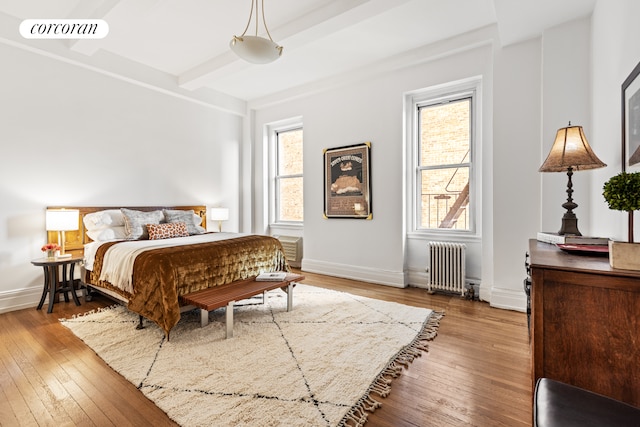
(253, 48)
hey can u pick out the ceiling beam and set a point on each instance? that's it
(117, 67)
(89, 9)
(327, 19)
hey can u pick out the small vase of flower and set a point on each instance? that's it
(50, 250)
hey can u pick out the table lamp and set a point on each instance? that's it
(570, 152)
(62, 220)
(219, 214)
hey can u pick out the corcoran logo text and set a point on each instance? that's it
(64, 28)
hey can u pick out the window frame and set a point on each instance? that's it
(432, 96)
(273, 169)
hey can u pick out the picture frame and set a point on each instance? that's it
(631, 122)
(347, 182)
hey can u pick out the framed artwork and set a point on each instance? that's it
(631, 122)
(347, 182)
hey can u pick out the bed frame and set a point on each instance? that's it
(75, 240)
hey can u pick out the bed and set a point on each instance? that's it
(147, 257)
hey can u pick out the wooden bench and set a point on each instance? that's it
(226, 295)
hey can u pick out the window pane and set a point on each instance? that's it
(290, 152)
(445, 133)
(444, 198)
(290, 195)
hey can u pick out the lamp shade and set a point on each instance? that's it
(62, 219)
(571, 150)
(255, 49)
(219, 214)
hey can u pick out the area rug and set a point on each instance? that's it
(325, 363)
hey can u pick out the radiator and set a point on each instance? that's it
(447, 267)
(292, 246)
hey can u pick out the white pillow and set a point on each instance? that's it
(108, 233)
(102, 219)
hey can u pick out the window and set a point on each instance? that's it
(442, 125)
(288, 180)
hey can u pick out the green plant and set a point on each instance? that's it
(622, 193)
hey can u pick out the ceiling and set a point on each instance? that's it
(182, 46)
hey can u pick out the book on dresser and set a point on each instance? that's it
(570, 239)
(276, 276)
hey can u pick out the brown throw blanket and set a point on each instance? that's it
(161, 275)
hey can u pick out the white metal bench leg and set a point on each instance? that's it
(229, 319)
(290, 296)
(204, 318)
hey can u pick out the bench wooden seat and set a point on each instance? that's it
(226, 295)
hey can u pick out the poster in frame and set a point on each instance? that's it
(347, 181)
(631, 122)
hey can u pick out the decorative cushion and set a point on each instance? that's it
(167, 230)
(188, 217)
(108, 233)
(135, 222)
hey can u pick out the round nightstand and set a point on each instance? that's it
(54, 283)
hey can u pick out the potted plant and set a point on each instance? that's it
(622, 193)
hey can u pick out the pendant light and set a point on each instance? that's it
(256, 49)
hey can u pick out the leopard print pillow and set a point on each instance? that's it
(167, 230)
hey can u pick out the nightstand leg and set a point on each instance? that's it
(53, 284)
(46, 287)
(71, 284)
(64, 284)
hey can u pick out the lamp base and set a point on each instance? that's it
(569, 220)
(569, 225)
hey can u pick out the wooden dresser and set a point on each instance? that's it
(585, 322)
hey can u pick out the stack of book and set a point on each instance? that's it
(276, 276)
(570, 239)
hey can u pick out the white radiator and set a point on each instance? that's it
(447, 266)
(292, 246)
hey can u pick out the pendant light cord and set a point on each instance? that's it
(249, 21)
(264, 22)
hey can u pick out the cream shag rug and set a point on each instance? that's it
(323, 364)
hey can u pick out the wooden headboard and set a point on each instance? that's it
(75, 240)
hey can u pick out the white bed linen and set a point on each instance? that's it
(90, 254)
(117, 266)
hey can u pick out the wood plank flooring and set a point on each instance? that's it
(476, 373)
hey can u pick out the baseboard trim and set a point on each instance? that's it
(19, 299)
(509, 299)
(396, 279)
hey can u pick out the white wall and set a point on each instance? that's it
(71, 136)
(516, 127)
(616, 51)
(531, 89)
(368, 109)
(566, 97)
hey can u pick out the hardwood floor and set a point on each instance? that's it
(477, 371)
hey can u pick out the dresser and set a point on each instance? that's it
(585, 322)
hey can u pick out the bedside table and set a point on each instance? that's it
(54, 283)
